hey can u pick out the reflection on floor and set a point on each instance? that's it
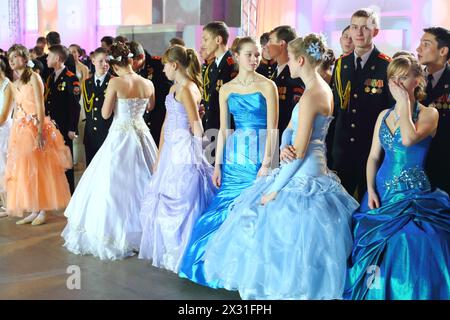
(34, 265)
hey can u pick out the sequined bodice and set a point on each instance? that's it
(403, 166)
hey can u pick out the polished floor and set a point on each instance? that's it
(34, 265)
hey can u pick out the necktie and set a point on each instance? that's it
(98, 83)
(358, 65)
(429, 84)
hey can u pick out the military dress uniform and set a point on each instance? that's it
(70, 65)
(267, 68)
(359, 97)
(289, 93)
(438, 160)
(218, 76)
(62, 105)
(206, 84)
(96, 128)
(153, 70)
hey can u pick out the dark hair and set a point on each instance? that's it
(345, 29)
(6, 69)
(442, 36)
(41, 40)
(188, 59)
(61, 51)
(136, 49)
(108, 40)
(38, 66)
(286, 33)
(53, 38)
(328, 59)
(121, 39)
(264, 39)
(119, 52)
(218, 28)
(22, 52)
(78, 48)
(39, 51)
(178, 41)
(99, 50)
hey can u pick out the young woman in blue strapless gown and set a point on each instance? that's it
(289, 235)
(253, 101)
(401, 231)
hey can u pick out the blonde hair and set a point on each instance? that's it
(402, 66)
(188, 59)
(312, 47)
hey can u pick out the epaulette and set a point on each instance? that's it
(230, 61)
(70, 73)
(385, 57)
(344, 55)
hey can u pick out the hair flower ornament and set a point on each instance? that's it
(30, 64)
(119, 58)
(314, 51)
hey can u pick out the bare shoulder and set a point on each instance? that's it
(428, 113)
(35, 79)
(381, 115)
(266, 84)
(227, 87)
(149, 83)
(114, 81)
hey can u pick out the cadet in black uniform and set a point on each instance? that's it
(360, 88)
(62, 99)
(433, 52)
(94, 88)
(268, 66)
(289, 90)
(214, 41)
(53, 38)
(151, 67)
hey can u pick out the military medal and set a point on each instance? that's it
(374, 90)
(367, 90)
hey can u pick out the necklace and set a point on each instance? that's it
(245, 83)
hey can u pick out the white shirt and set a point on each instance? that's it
(280, 69)
(58, 72)
(437, 76)
(364, 57)
(219, 59)
(102, 78)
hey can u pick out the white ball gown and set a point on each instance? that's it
(103, 214)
